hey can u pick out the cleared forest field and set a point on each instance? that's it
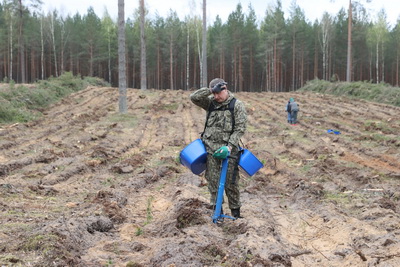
(87, 186)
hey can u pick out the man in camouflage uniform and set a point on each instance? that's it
(218, 133)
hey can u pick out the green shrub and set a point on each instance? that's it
(11, 114)
(21, 103)
(381, 93)
(63, 85)
(95, 81)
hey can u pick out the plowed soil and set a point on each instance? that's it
(87, 186)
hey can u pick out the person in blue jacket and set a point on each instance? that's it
(287, 109)
(293, 109)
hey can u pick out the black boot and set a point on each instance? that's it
(236, 213)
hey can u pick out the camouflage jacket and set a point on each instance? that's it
(218, 131)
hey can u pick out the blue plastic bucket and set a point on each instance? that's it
(194, 156)
(250, 163)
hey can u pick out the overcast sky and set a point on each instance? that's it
(313, 8)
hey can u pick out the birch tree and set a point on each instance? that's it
(51, 17)
(378, 36)
(64, 36)
(190, 26)
(108, 31)
(325, 41)
(173, 27)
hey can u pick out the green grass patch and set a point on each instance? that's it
(149, 213)
(288, 161)
(253, 129)
(172, 106)
(338, 198)
(110, 181)
(306, 168)
(42, 243)
(139, 231)
(127, 120)
(15, 227)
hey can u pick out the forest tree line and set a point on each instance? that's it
(273, 54)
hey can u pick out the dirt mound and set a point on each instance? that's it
(87, 186)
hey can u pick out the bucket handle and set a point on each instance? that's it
(243, 146)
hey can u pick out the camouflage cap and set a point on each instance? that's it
(215, 82)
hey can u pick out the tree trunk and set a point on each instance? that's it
(370, 67)
(383, 62)
(251, 69)
(143, 64)
(62, 49)
(377, 62)
(221, 60)
(91, 58)
(397, 69)
(240, 70)
(200, 58)
(71, 61)
(11, 52)
(281, 78)
(171, 64)
(235, 71)
(195, 71)
(21, 45)
(315, 59)
(302, 67)
(53, 44)
(32, 76)
(109, 57)
(275, 66)
(42, 48)
(204, 46)
(121, 57)
(133, 70)
(187, 58)
(349, 67)
(158, 66)
(293, 61)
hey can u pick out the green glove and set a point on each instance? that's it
(221, 153)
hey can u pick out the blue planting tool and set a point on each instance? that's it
(220, 196)
(333, 131)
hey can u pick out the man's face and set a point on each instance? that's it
(221, 96)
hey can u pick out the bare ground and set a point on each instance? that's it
(86, 186)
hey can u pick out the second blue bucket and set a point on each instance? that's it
(250, 163)
(194, 156)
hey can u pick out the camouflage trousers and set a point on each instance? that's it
(213, 172)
